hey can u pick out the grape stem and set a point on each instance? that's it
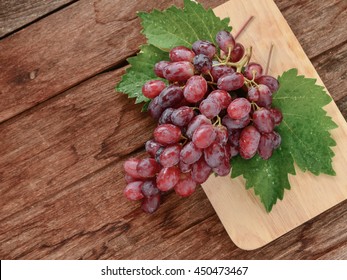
(268, 59)
(240, 64)
(243, 27)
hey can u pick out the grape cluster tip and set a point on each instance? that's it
(217, 105)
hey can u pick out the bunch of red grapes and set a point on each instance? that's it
(217, 105)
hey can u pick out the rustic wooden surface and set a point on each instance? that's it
(64, 135)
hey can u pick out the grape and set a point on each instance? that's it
(179, 71)
(186, 186)
(190, 153)
(154, 109)
(133, 190)
(276, 115)
(170, 96)
(276, 139)
(235, 124)
(204, 136)
(195, 89)
(249, 142)
(253, 94)
(224, 168)
(182, 116)
(237, 52)
(158, 153)
(225, 41)
(152, 147)
(166, 116)
(149, 188)
(167, 178)
(150, 204)
(214, 155)
(230, 82)
(184, 167)
(202, 63)
(233, 150)
(195, 123)
(200, 171)
(220, 70)
(222, 96)
(159, 68)
(167, 134)
(265, 96)
(130, 167)
(263, 120)
(147, 167)
(221, 134)
(210, 107)
(253, 70)
(266, 146)
(153, 88)
(128, 178)
(234, 137)
(170, 156)
(269, 81)
(239, 108)
(204, 47)
(181, 53)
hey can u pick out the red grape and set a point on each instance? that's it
(225, 41)
(210, 107)
(149, 188)
(151, 204)
(239, 108)
(190, 153)
(269, 81)
(195, 89)
(204, 47)
(167, 178)
(202, 63)
(221, 70)
(195, 123)
(266, 146)
(152, 147)
(153, 88)
(222, 96)
(167, 134)
(170, 96)
(186, 186)
(170, 155)
(204, 136)
(249, 142)
(276, 115)
(253, 70)
(214, 154)
(230, 82)
(263, 120)
(181, 53)
(133, 190)
(147, 167)
(159, 68)
(182, 116)
(237, 52)
(200, 171)
(265, 96)
(130, 167)
(179, 71)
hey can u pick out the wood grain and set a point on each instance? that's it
(66, 154)
(16, 14)
(66, 48)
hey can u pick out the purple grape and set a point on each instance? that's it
(204, 47)
(202, 63)
(182, 116)
(225, 41)
(170, 96)
(263, 120)
(269, 81)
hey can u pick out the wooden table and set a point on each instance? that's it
(65, 133)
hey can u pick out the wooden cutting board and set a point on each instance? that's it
(240, 210)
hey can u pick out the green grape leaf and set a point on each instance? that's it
(305, 139)
(140, 72)
(181, 27)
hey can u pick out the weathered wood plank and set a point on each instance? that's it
(44, 151)
(61, 191)
(16, 14)
(68, 47)
(318, 25)
(74, 44)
